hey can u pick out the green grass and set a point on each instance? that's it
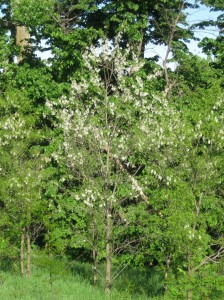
(64, 284)
(41, 287)
(130, 282)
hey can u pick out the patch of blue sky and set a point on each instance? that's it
(194, 16)
(46, 54)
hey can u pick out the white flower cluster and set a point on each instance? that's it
(110, 105)
(211, 129)
(89, 196)
(192, 234)
(13, 128)
(24, 188)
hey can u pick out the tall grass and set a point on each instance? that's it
(147, 283)
(41, 286)
(55, 281)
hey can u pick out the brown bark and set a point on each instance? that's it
(108, 225)
(169, 46)
(22, 252)
(25, 245)
(189, 294)
(28, 253)
(95, 265)
(108, 251)
(141, 45)
(22, 36)
(95, 253)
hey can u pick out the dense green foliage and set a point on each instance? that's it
(106, 157)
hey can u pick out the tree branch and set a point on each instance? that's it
(169, 46)
(211, 258)
(133, 181)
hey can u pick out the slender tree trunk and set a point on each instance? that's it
(169, 46)
(22, 252)
(95, 266)
(28, 253)
(95, 253)
(189, 294)
(189, 271)
(108, 224)
(141, 45)
(108, 250)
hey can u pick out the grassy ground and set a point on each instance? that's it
(130, 282)
(57, 283)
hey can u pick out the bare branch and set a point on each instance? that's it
(169, 47)
(212, 258)
(133, 181)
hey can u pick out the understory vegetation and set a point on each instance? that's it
(111, 162)
(55, 279)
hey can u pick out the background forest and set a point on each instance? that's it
(111, 164)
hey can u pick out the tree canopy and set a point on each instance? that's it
(108, 156)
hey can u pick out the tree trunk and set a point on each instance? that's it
(108, 224)
(141, 45)
(22, 252)
(189, 271)
(169, 46)
(22, 35)
(189, 294)
(28, 253)
(94, 252)
(95, 266)
(108, 250)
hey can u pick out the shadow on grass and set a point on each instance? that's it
(148, 282)
(7, 264)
